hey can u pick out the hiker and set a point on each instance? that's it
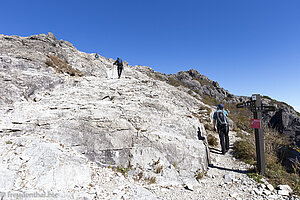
(96, 56)
(220, 118)
(119, 64)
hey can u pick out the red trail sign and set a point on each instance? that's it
(256, 123)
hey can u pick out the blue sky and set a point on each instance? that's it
(248, 46)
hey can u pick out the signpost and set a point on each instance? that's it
(256, 106)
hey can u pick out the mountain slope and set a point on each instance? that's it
(52, 90)
(285, 119)
(71, 129)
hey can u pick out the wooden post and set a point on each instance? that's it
(259, 136)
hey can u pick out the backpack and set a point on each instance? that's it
(221, 120)
(120, 62)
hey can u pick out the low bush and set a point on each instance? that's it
(245, 151)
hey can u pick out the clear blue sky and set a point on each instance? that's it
(248, 46)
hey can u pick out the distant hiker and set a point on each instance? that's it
(220, 118)
(96, 56)
(119, 64)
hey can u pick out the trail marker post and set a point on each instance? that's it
(256, 106)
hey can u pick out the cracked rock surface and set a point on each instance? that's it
(99, 137)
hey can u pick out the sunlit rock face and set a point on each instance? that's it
(62, 109)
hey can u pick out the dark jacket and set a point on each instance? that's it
(119, 62)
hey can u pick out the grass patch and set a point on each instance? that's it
(212, 140)
(62, 66)
(240, 116)
(152, 180)
(245, 151)
(199, 176)
(210, 100)
(8, 142)
(208, 127)
(174, 82)
(255, 176)
(240, 134)
(156, 162)
(123, 170)
(159, 169)
(140, 175)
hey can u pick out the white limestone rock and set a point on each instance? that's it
(285, 187)
(270, 187)
(58, 123)
(7, 178)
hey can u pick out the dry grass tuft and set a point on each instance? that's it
(159, 169)
(62, 66)
(212, 140)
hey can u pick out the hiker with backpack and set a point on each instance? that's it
(119, 64)
(220, 118)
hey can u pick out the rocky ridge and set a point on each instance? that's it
(75, 137)
(286, 120)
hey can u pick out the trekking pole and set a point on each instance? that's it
(112, 71)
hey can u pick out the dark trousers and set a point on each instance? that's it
(224, 138)
(120, 68)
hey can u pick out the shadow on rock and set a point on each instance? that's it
(227, 169)
(215, 151)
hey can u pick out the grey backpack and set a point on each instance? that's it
(222, 121)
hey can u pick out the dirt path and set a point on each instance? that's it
(225, 179)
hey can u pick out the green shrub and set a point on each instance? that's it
(244, 150)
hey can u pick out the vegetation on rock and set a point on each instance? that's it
(62, 66)
(276, 173)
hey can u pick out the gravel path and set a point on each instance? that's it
(225, 179)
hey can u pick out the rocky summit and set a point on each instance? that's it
(70, 129)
